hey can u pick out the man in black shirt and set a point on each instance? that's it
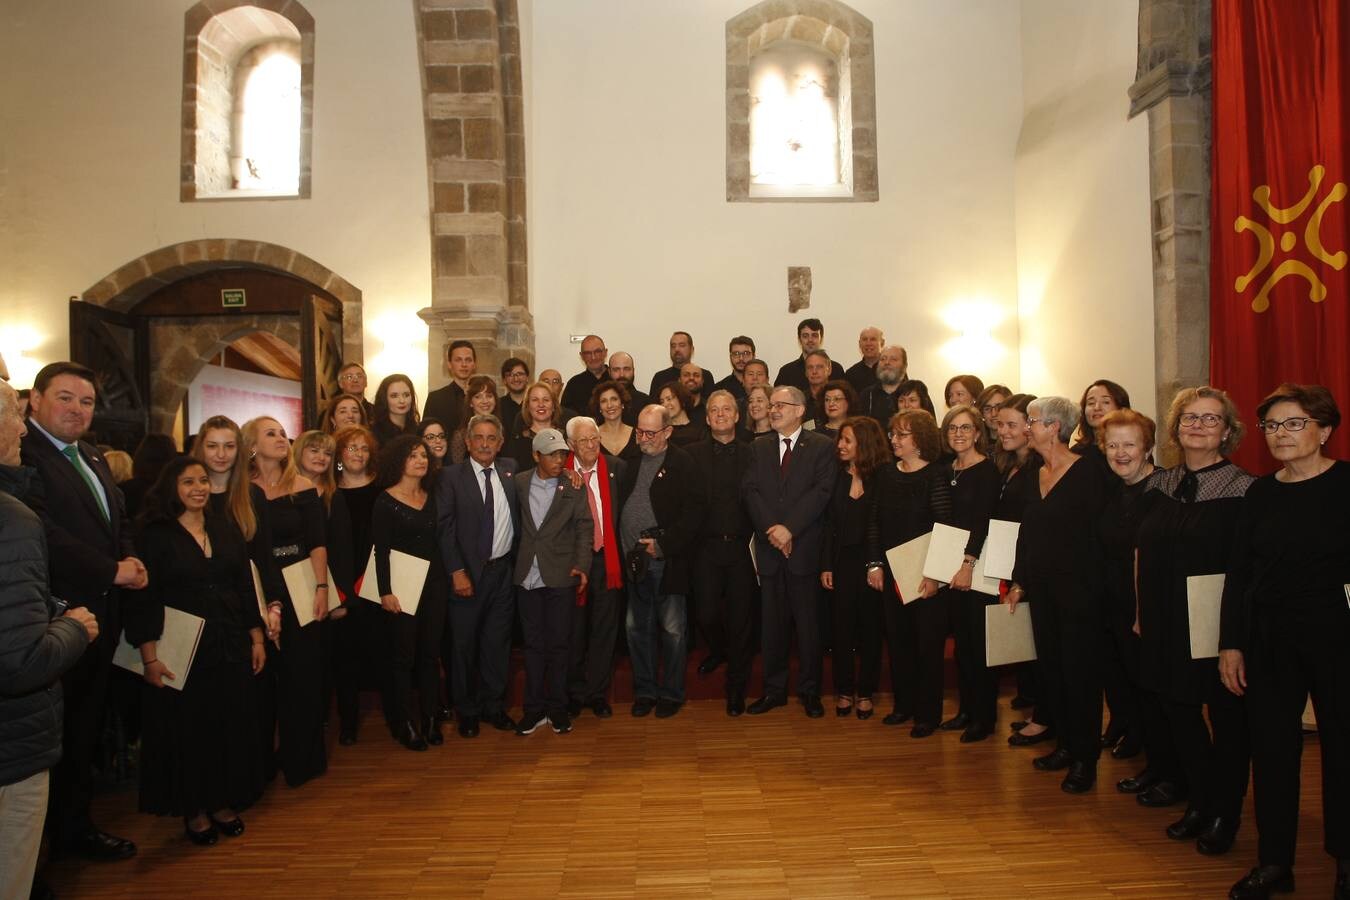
(681, 352)
(621, 370)
(577, 394)
(724, 577)
(352, 381)
(691, 376)
(741, 350)
(515, 379)
(881, 399)
(446, 404)
(810, 335)
(863, 373)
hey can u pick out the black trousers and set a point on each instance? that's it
(85, 687)
(1216, 764)
(481, 626)
(358, 643)
(546, 619)
(855, 612)
(1067, 626)
(724, 587)
(415, 655)
(900, 640)
(594, 637)
(790, 603)
(1290, 657)
(978, 683)
(1120, 674)
(298, 678)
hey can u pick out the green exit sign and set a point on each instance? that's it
(233, 298)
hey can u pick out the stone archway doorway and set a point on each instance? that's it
(150, 327)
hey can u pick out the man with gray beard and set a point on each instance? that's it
(879, 400)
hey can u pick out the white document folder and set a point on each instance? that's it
(407, 577)
(1204, 596)
(301, 585)
(1000, 548)
(176, 648)
(906, 562)
(946, 551)
(1007, 636)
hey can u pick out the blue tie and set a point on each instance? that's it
(489, 528)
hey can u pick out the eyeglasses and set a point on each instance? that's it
(833, 398)
(779, 404)
(357, 448)
(1208, 420)
(586, 440)
(433, 438)
(352, 377)
(1291, 424)
(742, 354)
(990, 408)
(645, 435)
(964, 428)
(896, 435)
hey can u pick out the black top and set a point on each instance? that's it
(1291, 553)
(297, 525)
(876, 402)
(672, 373)
(906, 506)
(861, 375)
(732, 385)
(1017, 488)
(794, 373)
(445, 405)
(398, 526)
(260, 545)
(1117, 530)
(385, 430)
(507, 411)
(975, 492)
(723, 467)
(577, 393)
(846, 520)
(1058, 536)
(684, 435)
(360, 503)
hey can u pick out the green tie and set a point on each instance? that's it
(72, 453)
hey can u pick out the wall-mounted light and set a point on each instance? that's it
(404, 339)
(974, 321)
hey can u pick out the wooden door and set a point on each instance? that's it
(117, 347)
(320, 354)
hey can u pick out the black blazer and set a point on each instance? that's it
(615, 468)
(83, 547)
(460, 509)
(797, 501)
(677, 500)
(446, 405)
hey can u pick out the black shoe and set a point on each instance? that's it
(975, 733)
(560, 724)
(468, 726)
(922, 730)
(957, 722)
(1342, 889)
(98, 846)
(432, 732)
(204, 838)
(642, 706)
(1189, 826)
(501, 721)
(347, 735)
(843, 712)
(1218, 836)
(407, 735)
(710, 663)
(1020, 702)
(814, 708)
(896, 718)
(1137, 784)
(864, 714)
(735, 704)
(444, 714)
(1129, 747)
(1164, 793)
(1263, 881)
(1082, 776)
(1030, 740)
(1112, 735)
(1019, 724)
(1053, 761)
(233, 828)
(764, 704)
(601, 708)
(666, 708)
(530, 724)
(573, 708)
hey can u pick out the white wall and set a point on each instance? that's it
(631, 235)
(90, 96)
(1083, 234)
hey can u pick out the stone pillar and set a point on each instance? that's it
(1173, 86)
(471, 84)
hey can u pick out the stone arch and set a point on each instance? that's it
(837, 30)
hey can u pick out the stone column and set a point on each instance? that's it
(471, 84)
(1173, 86)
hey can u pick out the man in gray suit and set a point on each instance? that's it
(479, 521)
(554, 556)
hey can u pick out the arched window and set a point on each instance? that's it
(247, 100)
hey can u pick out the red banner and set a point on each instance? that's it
(1279, 283)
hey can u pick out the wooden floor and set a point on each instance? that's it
(698, 805)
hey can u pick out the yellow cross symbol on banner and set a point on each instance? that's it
(1312, 237)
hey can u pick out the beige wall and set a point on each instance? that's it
(90, 97)
(1083, 240)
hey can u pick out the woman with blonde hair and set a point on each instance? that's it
(539, 412)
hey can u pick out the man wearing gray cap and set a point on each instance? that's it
(551, 564)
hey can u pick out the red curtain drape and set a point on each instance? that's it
(1279, 282)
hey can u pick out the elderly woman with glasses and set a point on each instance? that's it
(1286, 627)
(1189, 531)
(1059, 570)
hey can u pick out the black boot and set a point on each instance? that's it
(432, 732)
(407, 735)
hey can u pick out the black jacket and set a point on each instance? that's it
(677, 500)
(35, 649)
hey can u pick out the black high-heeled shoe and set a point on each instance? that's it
(844, 711)
(205, 838)
(407, 735)
(864, 713)
(233, 828)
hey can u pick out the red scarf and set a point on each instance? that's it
(613, 568)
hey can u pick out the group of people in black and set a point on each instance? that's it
(594, 516)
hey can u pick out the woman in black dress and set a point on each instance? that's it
(480, 400)
(1189, 530)
(1286, 629)
(913, 394)
(838, 401)
(395, 410)
(911, 495)
(975, 484)
(855, 605)
(296, 518)
(687, 425)
(1059, 570)
(540, 412)
(404, 519)
(199, 756)
(617, 437)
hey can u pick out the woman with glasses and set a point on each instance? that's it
(838, 401)
(480, 400)
(1059, 571)
(1286, 629)
(607, 405)
(395, 409)
(1190, 531)
(432, 433)
(988, 403)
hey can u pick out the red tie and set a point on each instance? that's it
(787, 458)
(599, 542)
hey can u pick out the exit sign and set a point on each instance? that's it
(233, 297)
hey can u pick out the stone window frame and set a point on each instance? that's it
(845, 35)
(199, 22)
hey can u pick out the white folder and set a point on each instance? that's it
(947, 551)
(1204, 596)
(1007, 636)
(258, 591)
(1000, 548)
(906, 563)
(301, 585)
(176, 647)
(407, 577)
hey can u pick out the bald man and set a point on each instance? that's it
(621, 370)
(863, 373)
(577, 394)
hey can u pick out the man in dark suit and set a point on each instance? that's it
(724, 577)
(555, 554)
(661, 515)
(92, 562)
(577, 394)
(681, 352)
(810, 336)
(595, 625)
(786, 491)
(352, 382)
(446, 404)
(477, 533)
